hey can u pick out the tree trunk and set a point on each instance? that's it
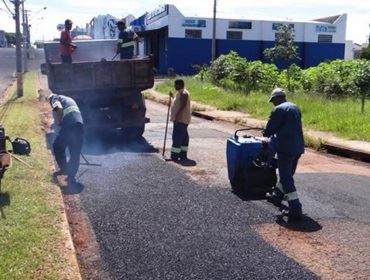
(288, 78)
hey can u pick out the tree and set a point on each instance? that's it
(10, 37)
(284, 49)
(365, 53)
(362, 81)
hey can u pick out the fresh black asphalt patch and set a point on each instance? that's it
(152, 221)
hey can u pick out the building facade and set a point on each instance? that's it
(178, 42)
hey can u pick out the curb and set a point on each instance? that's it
(74, 271)
(357, 150)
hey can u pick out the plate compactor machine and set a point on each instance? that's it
(251, 166)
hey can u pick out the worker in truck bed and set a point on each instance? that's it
(126, 41)
(66, 46)
(68, 116)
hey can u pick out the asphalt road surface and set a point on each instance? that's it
(159, 220)
(8, 65)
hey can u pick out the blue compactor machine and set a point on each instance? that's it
(251, 167)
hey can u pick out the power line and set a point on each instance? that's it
(7, 7)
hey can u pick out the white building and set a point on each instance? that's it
(178, 42)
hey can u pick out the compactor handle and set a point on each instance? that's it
(242, 129)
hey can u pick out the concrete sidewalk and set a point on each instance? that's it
(359, 150)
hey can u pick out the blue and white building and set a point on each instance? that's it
(178, 42)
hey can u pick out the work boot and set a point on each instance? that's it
(175, 156)
(59, 172)
(183, 155)
(294, 212)
(71, 180)
(275, 197)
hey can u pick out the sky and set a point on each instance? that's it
(44, 22)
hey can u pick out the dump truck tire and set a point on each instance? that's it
(133, 133)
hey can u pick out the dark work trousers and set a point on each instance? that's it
(127, 53)
(287, 165)
(70, 137)
(180, 139)
(66, 58)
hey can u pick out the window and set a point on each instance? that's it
(193, 33)
(194, 23)
(277, 25)
(234, 35)
(323, 38)
(240, 25)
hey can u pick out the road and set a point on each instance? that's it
(8, 65)
(152, 219)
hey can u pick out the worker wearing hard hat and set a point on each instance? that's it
(126, 41)
(285, 129)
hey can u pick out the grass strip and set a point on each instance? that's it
(30, 235)
(340, 116)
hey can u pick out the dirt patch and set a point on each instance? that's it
(316, 162)
(326, 253)
(203, 175)
(83, 236)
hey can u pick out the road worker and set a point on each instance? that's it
(126, 41)
(68, 116)
(284, 128)
(181, 116)
(66, 46)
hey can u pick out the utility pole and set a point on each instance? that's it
(25, 29)
(18, 50)
(213, 53)
(28, 37)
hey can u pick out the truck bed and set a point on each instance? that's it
(105, 75)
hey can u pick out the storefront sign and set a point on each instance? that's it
(194, 23)
(155, 15)
(326, 28)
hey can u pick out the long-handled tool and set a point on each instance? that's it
(20, 160)
(168, 117)
(89, 163)
(114, 56)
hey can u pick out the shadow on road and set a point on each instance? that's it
(104, 145)
(250, 196)
(307, 224)
(114, 144)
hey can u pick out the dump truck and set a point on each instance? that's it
(108, 92)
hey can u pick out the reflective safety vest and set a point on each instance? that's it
(128, 39)
(70, 109)
(71, 112)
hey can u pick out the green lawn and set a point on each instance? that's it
(343, 117)
(30, 237)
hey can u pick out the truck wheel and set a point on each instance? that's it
(133, 133)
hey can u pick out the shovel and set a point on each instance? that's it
(89, 163)
(114, 56)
